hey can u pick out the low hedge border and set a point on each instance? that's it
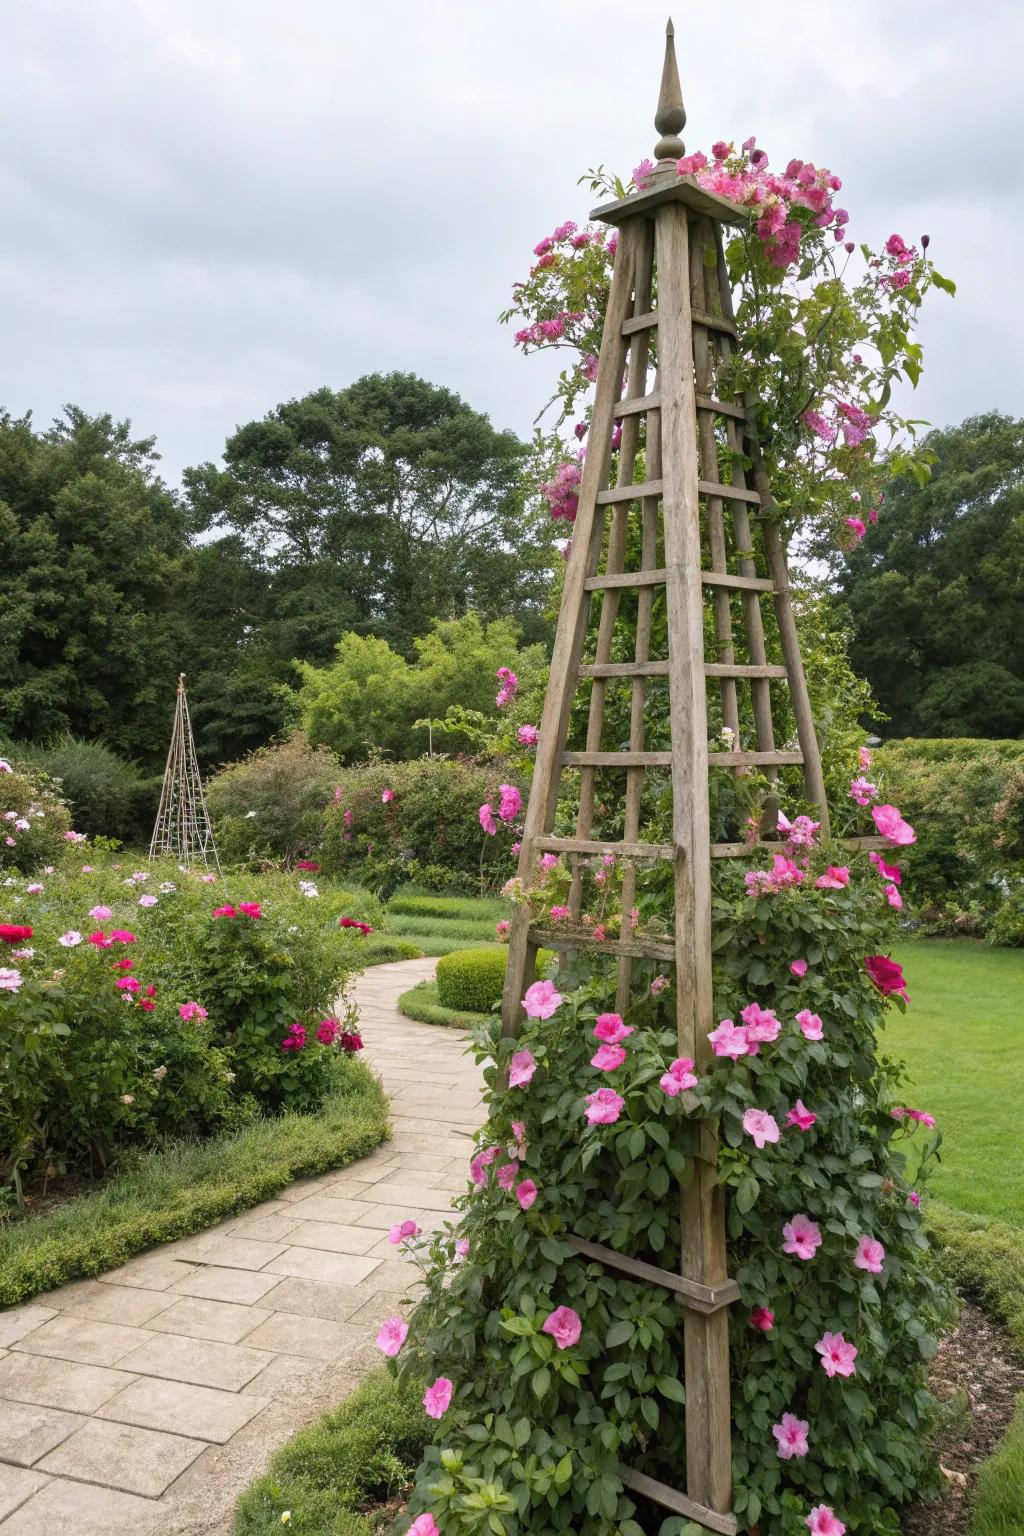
(189, 1186)
(421, 1003)
(382, 949)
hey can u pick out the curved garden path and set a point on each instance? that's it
(143, 1402)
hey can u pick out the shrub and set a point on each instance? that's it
(471, 979)
(423, 1004)
(107, 795)
(270, 805)
(34, 821)
(1008, 924)
(382, 949)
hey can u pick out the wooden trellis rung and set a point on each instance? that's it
(624, 669)
(636, 407)
(645, 322)
(618, 759)
(625, 850)
(721, 407)
(734, 669)
(755, 759)
(630, 493)
(613, 579)
(752, 850)
(741, 583)
(713, 322)
(728, 492)
(678, 1503)
(637, 949)
(702, 1298)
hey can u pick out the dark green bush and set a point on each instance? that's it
(269, 806)
(471, 979)
(107, 796)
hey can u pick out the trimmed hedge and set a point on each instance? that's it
(422, 1003)
(472, 980)
(382, 949)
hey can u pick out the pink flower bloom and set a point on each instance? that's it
(762, 1027)
(521, 1069)
(810, 1025)
(487, 821)
(327, 1031)
(462, 1247)
(71, 939)
(547, 861)
(822, 1522)
(526, 1193)
(295, 1040)
(864, 757)
(610, 1028)
(893, 897)
(227, 911)
(392, 1335)
(658, 985)
(503, 928)
(121, 936)
(511, 802)
(604, 1107)
(679, 1077)
(506, 1175)
(437, 1397)
(890, 872)
(387, 795)
(402, 1231)
(728, 1040)
(101, 914)
(527, 735)
(560, 914)
(541, 1000)
(607, 1057)
(128, 984)
(798, 968)
(99, 938)
(424, 1525)
(870, 1255)
(191, 1011)
(802, 1237)
(762, 1126)
(834, 878)
(800, 1116)
(762, 1319)
(891, 825)
(791, 1435)
(564, 1326)
(857, 526)
(837, 1356)
(147, 901)
(886, 974)
(10, 980)
(914, 1199)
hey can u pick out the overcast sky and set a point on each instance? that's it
(211, 206)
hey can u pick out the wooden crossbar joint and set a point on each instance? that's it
(740, 583)
(692, 1294)
(713, 322)
(640, 404)
(624, 850)
(734, 669)
(748, 850)
(626, 669)
(630, 492)
(722, 408)
(655, 578)
(728, 492)
(644, 322)
(620, 759)
(637, 949)
(755, 759)
(678, 1503)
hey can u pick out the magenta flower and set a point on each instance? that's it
(822, 1522)
(810, 1025)
(604, 1107)
(120, 936)
(887, 975)
(791, 1435)
(526, 1193)
(437, 1397)
(762, 1126)
(521, 1069)
(679, 1077)
(564, 1326)
(487, 821)
(387, 795)
(893, 897)
(834, 878)
(914, 1199)
(541, 1000)
(423, 1525)
(502, 929)
(862, 790)
(128, 984)
(837, 1355)
(226, 911)
(889, 872)
(798, 968)
(402, 1231)
(761, 1025)
(891, 825)
(506, 1175)
(295, 1040)
(610, 1028)
(762, 1319)
(392, 1335)
(870, 1255)
(800, 1116)
(607, 1057)
(101, 914)
(192, 1011)
(511, 802)
(560, 914)
(327, 1031)
(728, 1040)
(527, 735)
(802, 1237)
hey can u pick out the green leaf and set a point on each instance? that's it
(619, 1332)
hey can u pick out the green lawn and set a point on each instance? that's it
(439, 924)
(962, 1040)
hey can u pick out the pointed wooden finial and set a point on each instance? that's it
(670, 118)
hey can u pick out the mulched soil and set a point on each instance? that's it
(976, 1370)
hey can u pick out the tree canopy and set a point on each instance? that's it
(935, 590)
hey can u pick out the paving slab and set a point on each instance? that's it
(58, 1383)
(181, 1408)
(19, 1321)
(286, 1333)
(201, 1361)
(27, 1432)
(70, 1337)
(313, 1298)
(143, 1461)
(126, 1304)
(316, 1264)
(332, 1236)
(229, 1252)
(155, 1271)
(332, 1208)
(17, 1486)
(65, 1508)
(241, 1285)
(196, 1317)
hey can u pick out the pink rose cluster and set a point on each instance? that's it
(562, 492)
(510, 803)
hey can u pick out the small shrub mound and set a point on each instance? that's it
(34, 820)
(359, 1455)
(471, 979)
(107, 795)
(422, 1003)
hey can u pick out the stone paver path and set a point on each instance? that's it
(144, 1401)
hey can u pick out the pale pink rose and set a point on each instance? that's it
(837, 1355)
(521, 1069)
(564, 1326)
(798, 968)
(610, 1028)
(541, 1000)
(834, 878)
(791, 1435)
(891, 825)
(526, 1193)
(762, 1126)
(402, 1231)
(802, 1237)
(810, 1025)
(728, 1040)
(437, 1397)
(870, 1255)
(761, 1025)
(423, 1525)
(392, 1335)
(506, 1175)
(679, 1077)
(822, 1522)
(893, 897)
(101, 914)
(604, 1107)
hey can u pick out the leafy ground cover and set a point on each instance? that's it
(962, 1040)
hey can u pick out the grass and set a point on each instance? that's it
(999, 1495)
(359, 1454)
(188, 1186)
(422, 1003)
(439, 924)
(962, 1040)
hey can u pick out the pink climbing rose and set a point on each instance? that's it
(791, 1435)
(604, 1107)
(487, 820)
(191, 1011)
(564, 1326)
(521, 1069)
(762, 1126)
(761, 1025)
(610, 1028)
(810, 1025)
(822, 1522)
(891, 825)
(834, 878)
(387, 795)
(887, 975)
(541, 1000)
(802, 1237)
(728, 1040)
(402, 1231)
(798, 968)
(437, 1397)
(423, 1525)
(607, 1057)
(511, 802)
(506, 1175)
(392, 1335)
(527, 735)
(800, 1116)
(526, 1193)
(679, 1077)
(762, 1319)
(889, 872)
(837, 1355)
(870, 1255)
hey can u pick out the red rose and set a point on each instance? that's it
(13, 933)
(886, 974)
